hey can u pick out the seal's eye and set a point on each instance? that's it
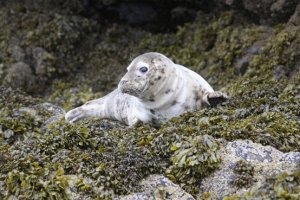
(143, 69)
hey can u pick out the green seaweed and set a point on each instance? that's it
(244, 173)
(101, 158)
(193, 160)
(284, 185)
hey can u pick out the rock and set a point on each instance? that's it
(262, 161)
(281, 10)
(265, 11)
(230, 2)
(291, 64)
(233, 3)
(20, 75)
(136, 13)
(271, 11)
(256, 47)
(108, 2)
(41, 60)
(56, 112)
(158, 187)
(46, 113)
(259, 7)
(243, 63)
(23, 110)
(18, 53)
(282, 186)
(295, 18)
(279, 72)
(180, 15)
(8, 133)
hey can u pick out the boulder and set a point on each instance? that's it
(246, 164)
(20, 75)
(158, 187)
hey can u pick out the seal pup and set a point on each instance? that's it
(153, 90)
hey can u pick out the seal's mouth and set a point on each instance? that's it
(130, 91)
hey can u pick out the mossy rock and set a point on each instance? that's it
(281, 186)
(105, 157)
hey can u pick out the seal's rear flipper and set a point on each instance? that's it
(215, 98)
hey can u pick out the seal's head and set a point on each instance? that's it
(145, 75)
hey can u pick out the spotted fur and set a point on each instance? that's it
(164, 91)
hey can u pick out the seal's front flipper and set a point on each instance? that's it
(90, 109)
(215, 98)
(75, 115)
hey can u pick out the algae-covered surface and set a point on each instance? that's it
(72, 57)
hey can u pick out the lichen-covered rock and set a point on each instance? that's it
(158, 187)
(246, 165)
